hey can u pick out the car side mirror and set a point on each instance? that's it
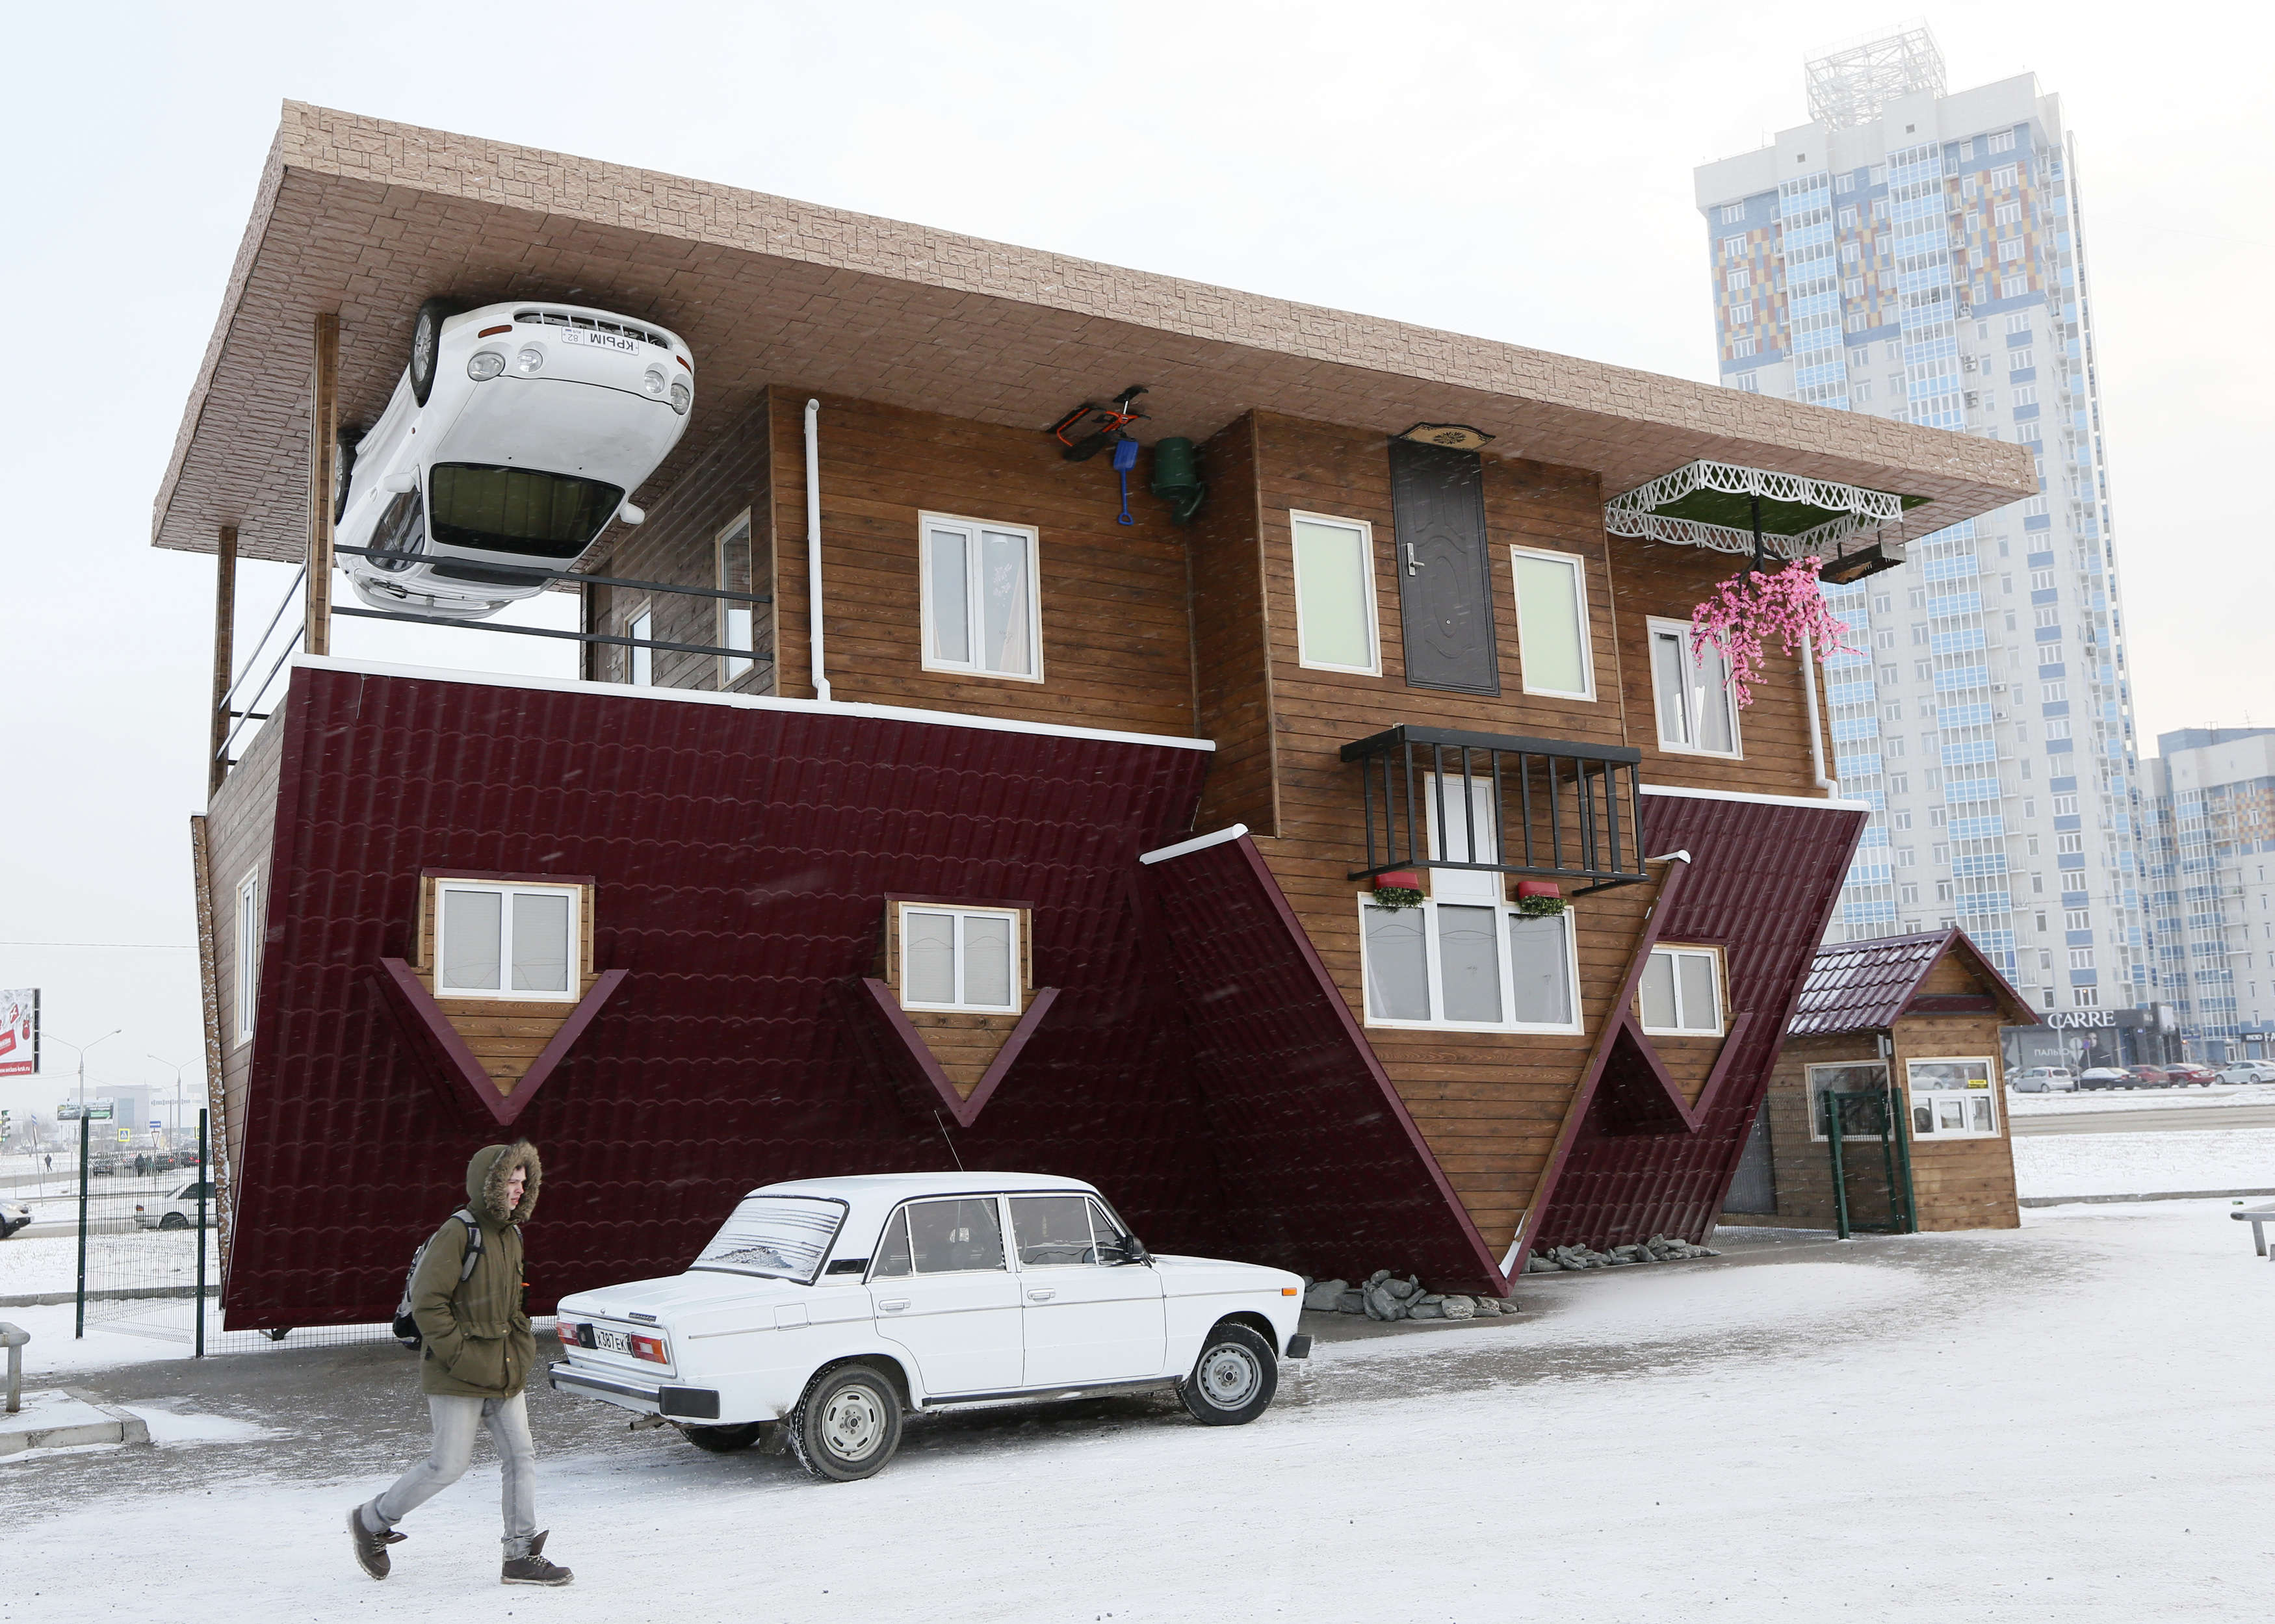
(632, 515)
(1133, 1251)
(400, 483)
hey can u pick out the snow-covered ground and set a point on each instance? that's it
(2139, 1099)
(2058, 1423)
(2137, 1164)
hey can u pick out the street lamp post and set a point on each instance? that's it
(81, 1051)
(174, 1138)
(78, 1328)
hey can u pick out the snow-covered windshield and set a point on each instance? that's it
(784, 1237)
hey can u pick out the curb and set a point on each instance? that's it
(120, 1427)
(50, 1299)
(2158, 1194)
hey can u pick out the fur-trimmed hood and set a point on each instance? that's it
(486, 1173)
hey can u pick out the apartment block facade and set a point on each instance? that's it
(2211, 846)
(1919, 255)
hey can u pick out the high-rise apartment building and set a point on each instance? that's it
(1919, 254)
(2210, 852)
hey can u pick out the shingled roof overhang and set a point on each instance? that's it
(367, 218)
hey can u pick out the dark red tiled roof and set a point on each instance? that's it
(1763, 879)
(1864, 986)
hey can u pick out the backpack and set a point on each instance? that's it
(406, 1327)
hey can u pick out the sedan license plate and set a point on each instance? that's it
(611, 1342)
(599, 341)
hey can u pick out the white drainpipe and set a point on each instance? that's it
(1816, 731)
(813, 549)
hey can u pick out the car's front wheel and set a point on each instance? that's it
(1233, 1380)
(427, 344)
(847, 1425)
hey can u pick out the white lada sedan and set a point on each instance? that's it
(834, 1306)
(516, 434)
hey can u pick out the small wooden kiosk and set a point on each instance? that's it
(1899, 1035)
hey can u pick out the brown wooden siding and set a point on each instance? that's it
(1116, 641)
(678, 543)
(242, 828)
(1232, 673)
(1489, 1104)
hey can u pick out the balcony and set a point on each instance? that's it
(1550, 809)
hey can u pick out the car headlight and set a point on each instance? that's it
(681, 399)
(529, 360)
(484, 364)
(652, 382)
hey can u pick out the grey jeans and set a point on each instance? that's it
(456, 1420)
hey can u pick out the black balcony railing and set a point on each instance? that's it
(1550, 808)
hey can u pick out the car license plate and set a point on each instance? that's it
(611, 1342)
(617, 342)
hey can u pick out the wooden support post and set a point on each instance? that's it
(323, 454)
(224, 655)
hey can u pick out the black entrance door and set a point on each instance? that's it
(1444, 578)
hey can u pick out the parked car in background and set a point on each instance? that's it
(2046, 1080)
(832, 1307)
(516, 432)
(13, 1218)
(2186, 1071)
(2148, 1077)
(2248, 1071)
(2107, 1076)
(179, 1209)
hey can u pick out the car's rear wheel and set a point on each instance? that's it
(173, 1221)
(1233, 1380)
(427, 344)
(847, 1425)
(725, 1440)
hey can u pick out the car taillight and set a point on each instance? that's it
(650, 1348)
(567, 1333)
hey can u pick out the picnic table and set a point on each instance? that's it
(2258, 1217)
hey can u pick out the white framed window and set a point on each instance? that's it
(738, 623)
(961, 958)
(1697, 714)
(982, 598)
(1855, 1077)
(2003, 141)
(2026, 394)
(1741, 348)
(1736, 278)
(1681, 993)
(1474, 966)
(641, 661)
(2076, 920)
(2007, 214)
(506, 938)
(1742, 315)
(2005, 176)
(1952, 1099)
(1551, 624)
(2058, 728)
(1734, 247)
(2022, 361)
(1335, 622)
(1848, 222)
(2019, 322)
(252, 925)
(1732, 214)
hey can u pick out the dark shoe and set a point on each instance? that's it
(533, 1568)
(370, 1548)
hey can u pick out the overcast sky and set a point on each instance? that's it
(1515, 171)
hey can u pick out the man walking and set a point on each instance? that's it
(478, 1351)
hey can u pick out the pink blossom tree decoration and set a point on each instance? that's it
(1753, 607)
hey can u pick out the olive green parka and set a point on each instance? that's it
(477, 1340)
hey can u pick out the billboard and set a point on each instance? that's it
(19, 1032)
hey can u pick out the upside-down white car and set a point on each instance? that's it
(834, 1306)
(516, 434)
